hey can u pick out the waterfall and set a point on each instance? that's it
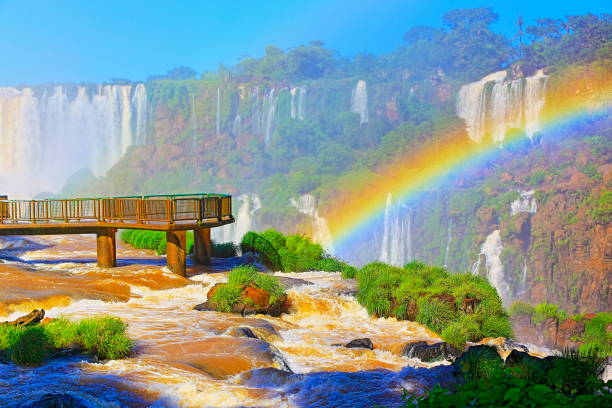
(48, 134)
(526, 203)
(236, 125)
(491, 250)
(307, 204)
(218, 111)
(270, 115)
(494, 105)
(248, 205)
(448, 243)
(396, 248)
(255, 111)
(359, 101)
(298, 100)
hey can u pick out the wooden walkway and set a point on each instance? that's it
(174, 214)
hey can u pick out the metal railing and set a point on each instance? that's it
(158, 209)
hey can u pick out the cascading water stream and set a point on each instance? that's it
(359, 101)
(81, 128)
(245, 220)
(307, 204)
(494, 105)
(396, 248)
(491, 250)
(186, 358)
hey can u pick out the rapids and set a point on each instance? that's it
(186, 358)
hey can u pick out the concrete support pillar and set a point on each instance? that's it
(202, 246)
(176, 252)
(106, 247)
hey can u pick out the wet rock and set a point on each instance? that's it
(360, 343)
(269, 377)
(517, 358)
(471, 361)
(57, 400)
(289, 283)
(509, 345)
(430, 352)
(241, 332)
(204, 307)
(34, 317)
(568, 330)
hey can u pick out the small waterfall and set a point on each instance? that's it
(298, 101)
(236, 125)
(448, 243)
(526, 203)
(396, 248)
(307, 204)
(270, 115)
(359, 101)
(248, 205)
(218, 128)
(494, 105)
(491, 250)
(84, 127)
(255, 111)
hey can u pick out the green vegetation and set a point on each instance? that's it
(104, 337)
(293, 253)
(601, 208)
(596, 339)
(156, 241)
(570, 380)
(461, 307)
(227, 295)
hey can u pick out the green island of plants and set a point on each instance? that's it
(156, 241)
(268, 295)
(460, 307)
(569, 380)
(595, 338)
(293, 253)
(104, 337)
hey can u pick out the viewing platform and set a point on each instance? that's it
(103, 216)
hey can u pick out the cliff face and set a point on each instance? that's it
(535, 220)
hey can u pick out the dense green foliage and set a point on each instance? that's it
(596, 339)
(225, 296)
(104, 337)
(570, 380)
(460, 307)
(293, 253)
(156, 241)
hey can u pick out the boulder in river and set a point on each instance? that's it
(57, 400)
(253, 301)
(431, 352)
(358, 343)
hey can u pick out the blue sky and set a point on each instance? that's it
(94, 40)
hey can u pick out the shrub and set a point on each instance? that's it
(242, 275)
(224, 250)
(226, 296)
(521, 309)
(435, 298)
(544, 311)
(271, 285)
(435, 314)
(294, 253)
(104, 337)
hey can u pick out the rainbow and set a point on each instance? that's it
(584, 97)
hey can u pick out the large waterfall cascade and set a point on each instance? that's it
(396, 248)
(491, 250)
(494, 105)
(46, 136)
(249, 204)
(307, 204)
(359, 101)
(526, 203)
(449, 240)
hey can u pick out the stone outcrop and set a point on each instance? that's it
(254, 301)
(431, 352)
(32, 318)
